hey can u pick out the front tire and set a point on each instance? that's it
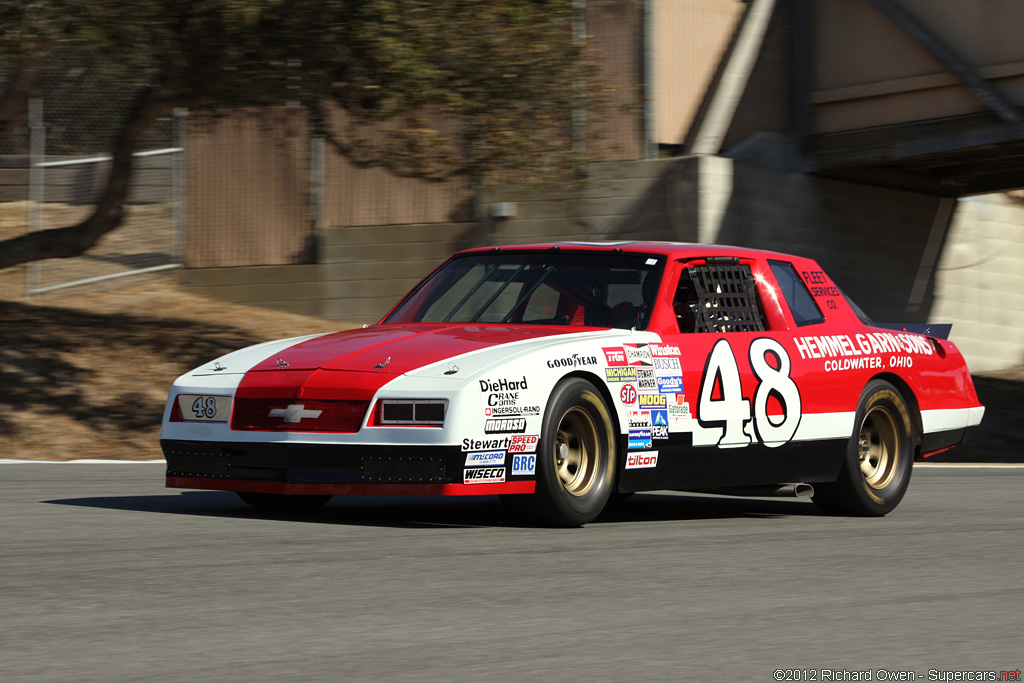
(576, 456)
(278, 502)
(879, 457)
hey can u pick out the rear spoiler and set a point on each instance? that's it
(939, 330)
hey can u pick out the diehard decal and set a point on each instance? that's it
(479, 458)
(640, 460)
(484, 475)
(498, 385)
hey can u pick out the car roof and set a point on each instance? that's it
(672, 250)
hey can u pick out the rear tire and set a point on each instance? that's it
(278, 502)
(575, 457)
(879, 457)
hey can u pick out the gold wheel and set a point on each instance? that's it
(879, 447)
(577, 451)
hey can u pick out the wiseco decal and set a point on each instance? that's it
(484, 475)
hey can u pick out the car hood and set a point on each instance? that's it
(398, 349)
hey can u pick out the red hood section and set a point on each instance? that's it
(399, 348)
(309, 370)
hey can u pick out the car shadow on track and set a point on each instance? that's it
(445, 512)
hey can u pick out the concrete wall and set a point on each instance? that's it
(889, 250)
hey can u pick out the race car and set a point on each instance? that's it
(562, 375)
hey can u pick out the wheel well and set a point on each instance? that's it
(912, 404)
(602, 389)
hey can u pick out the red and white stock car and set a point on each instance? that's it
(561, 374)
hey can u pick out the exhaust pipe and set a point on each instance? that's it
(765, 491)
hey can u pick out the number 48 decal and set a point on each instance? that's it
(731, 412)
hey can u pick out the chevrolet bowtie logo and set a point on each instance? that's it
(294, 413)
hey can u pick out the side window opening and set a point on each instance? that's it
(801, 304)
(718, 296)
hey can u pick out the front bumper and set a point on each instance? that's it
(327, 469)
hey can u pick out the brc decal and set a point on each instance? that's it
(615, 356)
(524, 464)
(526, 443)
(484, 475)
(731, 411)
(636, 461)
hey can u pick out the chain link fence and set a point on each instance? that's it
(64, 148)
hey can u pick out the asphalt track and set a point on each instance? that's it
(107, 576)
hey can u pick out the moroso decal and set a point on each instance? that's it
(478, 458)
(511, 425)
(484, 475)
(640, 460)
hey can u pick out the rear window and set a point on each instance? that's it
(801, 304)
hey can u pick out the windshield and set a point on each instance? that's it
(596, 289)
